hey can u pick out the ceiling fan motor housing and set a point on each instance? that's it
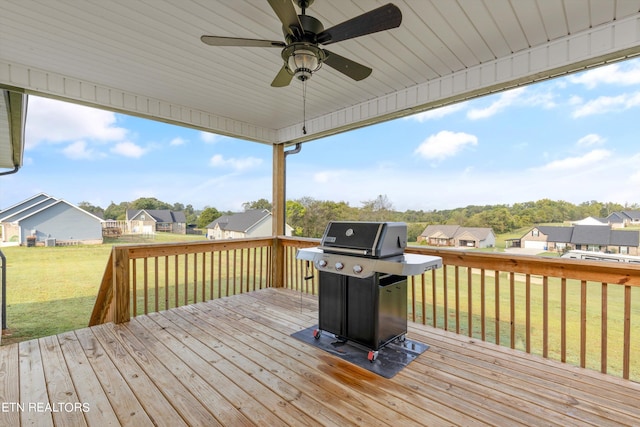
(302, 55)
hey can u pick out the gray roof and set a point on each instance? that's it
(624, 238)
(241, 221)
(590, 235)
(446, 230)
(34, 205)
(557, 234)
(635, 215)
(160, 215)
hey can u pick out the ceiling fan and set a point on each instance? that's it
(303, 34)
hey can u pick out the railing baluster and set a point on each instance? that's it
(412, 279)
(434, 301)
(470, 301)
(603, 328)
(176, 285)
(166, 282)
(195, 278)
(226, 253)
(483, 306)
(563, 320)
(446, 298)
(186, 279)
(156, 285)
(219, 273)
(423, 290)
(545, 316)
(457, 297)
(512, 309)
(145, 281)
(204, 276)
(527, 320)
(626, 352)
(583, 323)
(497, 305)
(134, 277)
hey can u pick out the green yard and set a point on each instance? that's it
(53, 289)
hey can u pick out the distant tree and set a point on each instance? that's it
(118, 212)
(295, 216)
(149, 203)
(96, 210)
(258, 204)
(207, 216)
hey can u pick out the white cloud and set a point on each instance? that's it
(178, 141)
(445, 144)
(622, 74)
(128, 149)
(606, 104)
(237, 164)
(79, 151)
(590, 139)
(520, 97)
(209, 138)
(55, 121)
(505, 100)
(588, 159)
(438, 113)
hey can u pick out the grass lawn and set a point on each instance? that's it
(53, 289)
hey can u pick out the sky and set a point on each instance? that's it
(573, 138)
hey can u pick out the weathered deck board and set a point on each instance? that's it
(233, 361)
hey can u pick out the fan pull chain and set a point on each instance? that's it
(304, 107)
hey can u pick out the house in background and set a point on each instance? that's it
(582, 237)
(46, 220)
(252, 223)
(148, 221)
(624, 219)
(457, 236)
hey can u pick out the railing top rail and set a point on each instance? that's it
(598, 271)
(168, 249)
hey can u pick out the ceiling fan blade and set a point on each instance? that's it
(380, 19)
(283, 78)
(288, 16)
(347, 66)
(235, 41)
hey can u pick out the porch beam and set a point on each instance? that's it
(278, 214)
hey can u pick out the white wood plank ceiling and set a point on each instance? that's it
(145, 57)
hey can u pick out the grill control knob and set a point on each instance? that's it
(357, 269)
(322, 263)
(339, 266)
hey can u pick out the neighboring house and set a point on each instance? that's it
(591, 221)
(148, 221)
(582, 237)
(623, 219)
(457, 236)
(43, 219)
(252, 223)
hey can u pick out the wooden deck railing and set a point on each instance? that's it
(139, 279)
(586, 313)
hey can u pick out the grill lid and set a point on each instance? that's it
(367, 239)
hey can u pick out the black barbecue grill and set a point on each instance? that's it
(362, 288)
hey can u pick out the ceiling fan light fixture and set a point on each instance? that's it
(303, 60)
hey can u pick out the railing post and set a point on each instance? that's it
(277, 264)
(121, 290)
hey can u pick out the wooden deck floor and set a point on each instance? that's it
(232, 362)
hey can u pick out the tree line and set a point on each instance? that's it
(309, 216)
